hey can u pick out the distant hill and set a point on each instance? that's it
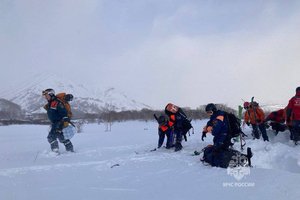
(10, 110)
(28, 95)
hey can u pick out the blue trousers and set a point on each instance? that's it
(162, 135)
(55, 134)
(262, 129)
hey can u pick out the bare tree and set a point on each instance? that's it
(107, 116)
(79, 125)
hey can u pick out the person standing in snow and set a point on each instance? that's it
(58, 116)
(164, 130)
(293, 115)
(176, 123)
(255, 116)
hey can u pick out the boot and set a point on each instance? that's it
(169, 146)
(54, 146)
(178, 146)
(69, 146)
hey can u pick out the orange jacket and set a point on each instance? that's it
(259, 115)
(278, 116)
(163, 128)
(172, 120)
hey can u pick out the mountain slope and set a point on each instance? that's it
(28, 95)
(9, 110)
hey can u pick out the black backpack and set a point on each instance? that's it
(223, 157)
(186, 123)
(234, 128)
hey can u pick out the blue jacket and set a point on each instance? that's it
(219, 127)
(56, 112)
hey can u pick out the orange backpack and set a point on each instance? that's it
(171, 108)
(65, 98)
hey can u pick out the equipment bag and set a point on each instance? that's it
(69, 132)
(65, 99)
(226, 157)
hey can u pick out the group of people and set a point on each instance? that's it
(287, 118)
(281, 120)
(175, 124)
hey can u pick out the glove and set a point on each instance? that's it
(65, 122)
(267, 125)
(46, 107)
(203, 135)
(66, 119)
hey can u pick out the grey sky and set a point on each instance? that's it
(157, 51)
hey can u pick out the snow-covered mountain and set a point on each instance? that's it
(28, 95)
(9, 110)
(6, 105)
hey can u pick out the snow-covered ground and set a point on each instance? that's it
(119, 165)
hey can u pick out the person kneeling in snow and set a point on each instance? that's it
(277, 120)
(217, 126)
(219, 154)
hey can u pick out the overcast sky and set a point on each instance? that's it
(158, 51)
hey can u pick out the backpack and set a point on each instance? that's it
(225, 157)
(234, 128)
(65, 99)
(234, 125)
(254, 104)
(186, 123)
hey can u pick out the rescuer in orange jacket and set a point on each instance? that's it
(176, 122)
(164, 130)
(293, 116)
(255, 116)
(277, 120)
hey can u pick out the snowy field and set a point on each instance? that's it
(119, 165)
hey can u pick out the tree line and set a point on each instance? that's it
(107, 116)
